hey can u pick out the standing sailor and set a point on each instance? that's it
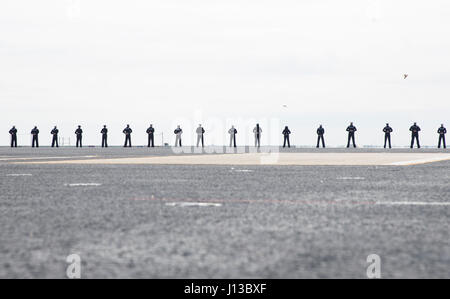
(13, 133)
(387, 135)
(257, 131)
(54, 133)
(232, 133)
(200, 131)
(320, 133)
(351, 129)
(35, 134)
(127, 131)
(104, 133)
(150, 132)
(79, 134)
(442, 131)
(415, 129)
(178, 131)
(286, 133)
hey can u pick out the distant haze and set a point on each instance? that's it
(218, 63)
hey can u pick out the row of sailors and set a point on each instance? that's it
(257, 131)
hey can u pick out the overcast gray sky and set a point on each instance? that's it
(166, 62)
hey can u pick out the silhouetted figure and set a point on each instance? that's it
(127, 131)
(387, 135)
(257, 131)
(151, 139)
(200, 131)
(178, 131)
(232, 133)
(442, 131)
(320, 133)
(79, 134)
(54, 133)
(415, 135)
(13, 133)
(351, 135)
(104, 133)
(286, 133)
(35, 134)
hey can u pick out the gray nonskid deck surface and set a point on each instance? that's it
(273, 222)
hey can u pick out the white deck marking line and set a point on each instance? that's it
(193, 204)
(351, 178)
(412, 203)
(42, 158)
(19, 174)
(419, 161)
(322, 159)
(82, 184)
(174, 201)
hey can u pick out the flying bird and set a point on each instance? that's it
(285, 106)
(405, 76)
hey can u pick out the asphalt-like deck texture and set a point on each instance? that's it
(269, 222)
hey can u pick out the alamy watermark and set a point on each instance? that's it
(374, 268)
(73, 270)
(73, 9)
(229, 135)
